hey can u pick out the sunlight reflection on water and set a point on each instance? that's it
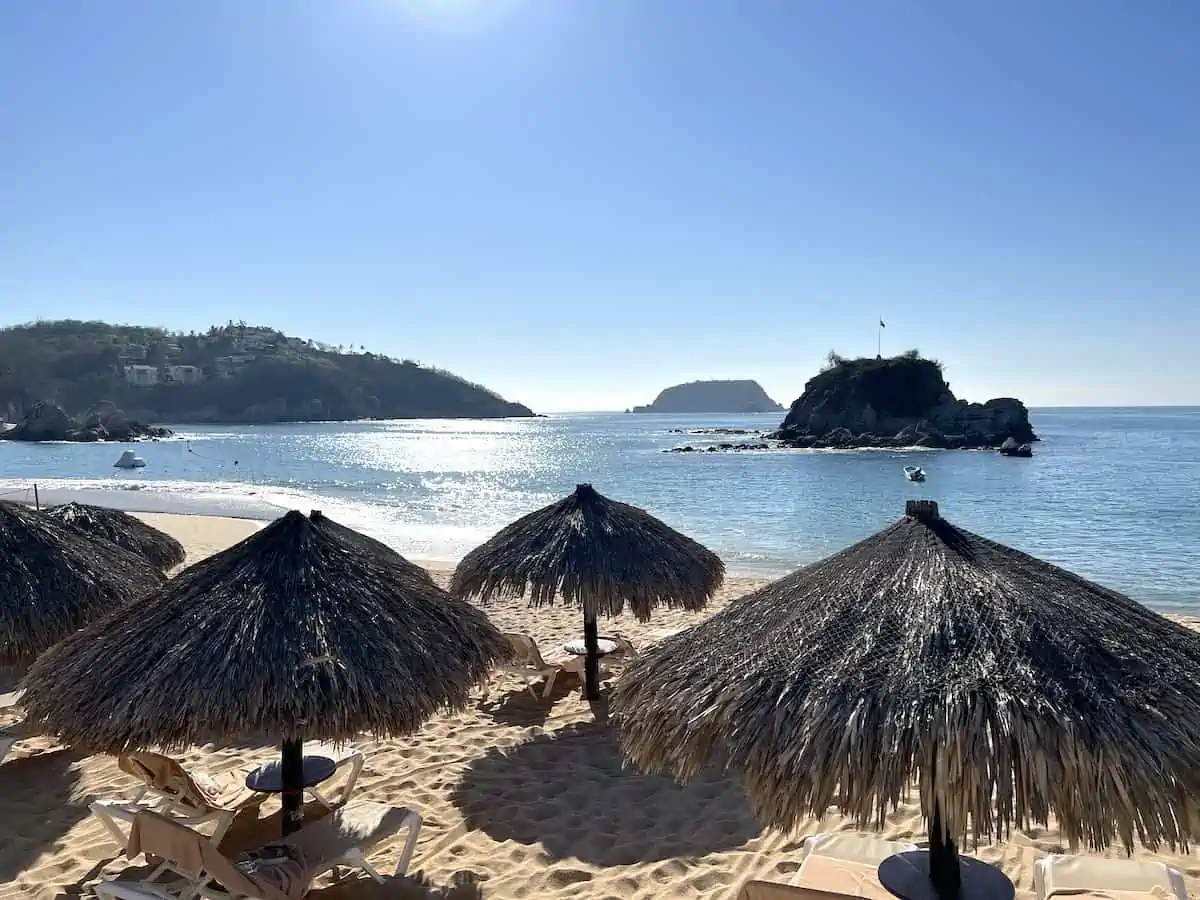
(1110, 494)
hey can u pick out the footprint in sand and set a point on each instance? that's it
(709, 881)
(564, 878)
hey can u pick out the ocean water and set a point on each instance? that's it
(1110, 494)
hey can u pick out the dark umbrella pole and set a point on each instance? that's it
(944, 870)
(591, 662)
(291, 772)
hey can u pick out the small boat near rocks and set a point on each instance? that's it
(129, 461)
(914, 473)
(1011, 448)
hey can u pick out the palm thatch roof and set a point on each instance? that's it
(54, 580)
(1010, 688)
(122, 529)
(594, 552)
(370, 545)
(293, 625)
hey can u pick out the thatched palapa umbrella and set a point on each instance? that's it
(371, 545)
(597, 553)
(122, 529)
(53, 581)
(294, 631)
(1010, 688)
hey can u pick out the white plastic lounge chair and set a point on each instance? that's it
(345, 758)
(525, 659)
(195, 798)
(282, 870)
(1091, 878)
(841, 865)
(847, 863)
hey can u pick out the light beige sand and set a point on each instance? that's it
(202, 536)
(521, 799)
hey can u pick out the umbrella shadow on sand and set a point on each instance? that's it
(519, 707)
(569, 792)
(404, 887)
(39, 804)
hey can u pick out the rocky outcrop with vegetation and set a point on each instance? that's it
(902, 401)
(50, 422)
(712, 397)
(231, 374)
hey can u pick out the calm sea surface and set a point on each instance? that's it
(1111, 494)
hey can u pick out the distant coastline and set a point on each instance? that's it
(712, 397)
(73, 376)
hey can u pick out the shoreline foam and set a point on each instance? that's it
(521, 798)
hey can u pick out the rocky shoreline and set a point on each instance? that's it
(50, 422)
(901, 403)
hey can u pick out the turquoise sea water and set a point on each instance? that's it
(1111, 494)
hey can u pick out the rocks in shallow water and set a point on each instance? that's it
(43, 422)
(718, 448)
(898, 402)
(712, 431)
(49, 422)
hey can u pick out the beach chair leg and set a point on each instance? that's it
(223, 824)
(549, 688)
(356, 764)
(370, 870)
(412, 821)
(343, 794)
(109, 821)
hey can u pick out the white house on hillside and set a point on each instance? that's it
(185, 374)
(142, 376)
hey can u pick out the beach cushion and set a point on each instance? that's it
(1118, 879)
(264, 874)
(198, 790)
(847, 864)
(770, 890)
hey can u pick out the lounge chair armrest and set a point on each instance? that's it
(412, 821)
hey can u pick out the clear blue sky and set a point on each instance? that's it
(578, 202)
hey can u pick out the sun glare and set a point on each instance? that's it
(459, 15)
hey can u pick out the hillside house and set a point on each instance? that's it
(185, 374)
(141, 376)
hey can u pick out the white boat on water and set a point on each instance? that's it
(914, 473)
(129, 461)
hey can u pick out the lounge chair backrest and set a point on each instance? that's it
(194, 856)
(167, 776)
(523, 651)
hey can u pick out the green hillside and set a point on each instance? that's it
(231, 373)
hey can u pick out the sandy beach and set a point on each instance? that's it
(520, 799)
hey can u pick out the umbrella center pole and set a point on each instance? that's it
(944, 869)
(591, 662)
(292, 781)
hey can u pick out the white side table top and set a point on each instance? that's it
(578, 647)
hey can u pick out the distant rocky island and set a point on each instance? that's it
(712, 397)
(902, 401)
(90, 381)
